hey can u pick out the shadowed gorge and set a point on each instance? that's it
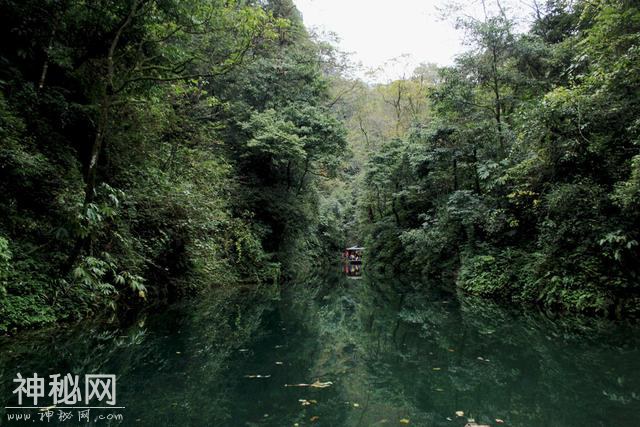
(213, 204)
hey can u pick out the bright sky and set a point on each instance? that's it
(376, 31)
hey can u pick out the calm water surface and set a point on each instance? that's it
(384, 359)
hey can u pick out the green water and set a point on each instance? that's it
(420, 356)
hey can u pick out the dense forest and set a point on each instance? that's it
(513, 174)
(151, 149)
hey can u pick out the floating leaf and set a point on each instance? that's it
(460, 413)
(257, 376)
(404, 420)
(499, 421)
(316, 384)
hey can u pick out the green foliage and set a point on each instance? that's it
(153, 149)
(496, 275)
(523, 185)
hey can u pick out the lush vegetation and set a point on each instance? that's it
(150, 149)
(518, 179)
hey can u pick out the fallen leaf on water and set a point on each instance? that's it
(480, 358)
(449, 419)
(404, 420)
(460, 413)
(499, 421)
(316, 384)
(314, 418)
(257, 376)
(356, 405)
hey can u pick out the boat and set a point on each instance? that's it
(352, 270)
(353, 254)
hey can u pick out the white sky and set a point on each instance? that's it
(375, 31)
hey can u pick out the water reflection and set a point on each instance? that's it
(420, 356)
(352, 270)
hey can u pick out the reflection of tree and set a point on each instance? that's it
(425, 357)
(396, 350)
(171, 369)
(355, 328)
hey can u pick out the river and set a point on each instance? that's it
(337, 351)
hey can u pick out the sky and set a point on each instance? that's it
(375, 31)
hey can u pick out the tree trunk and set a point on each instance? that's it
(105, 104)
(304, 175)
(455, 173)
(476, 178)
(92, 169)
(45, 65)
(498, 101)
